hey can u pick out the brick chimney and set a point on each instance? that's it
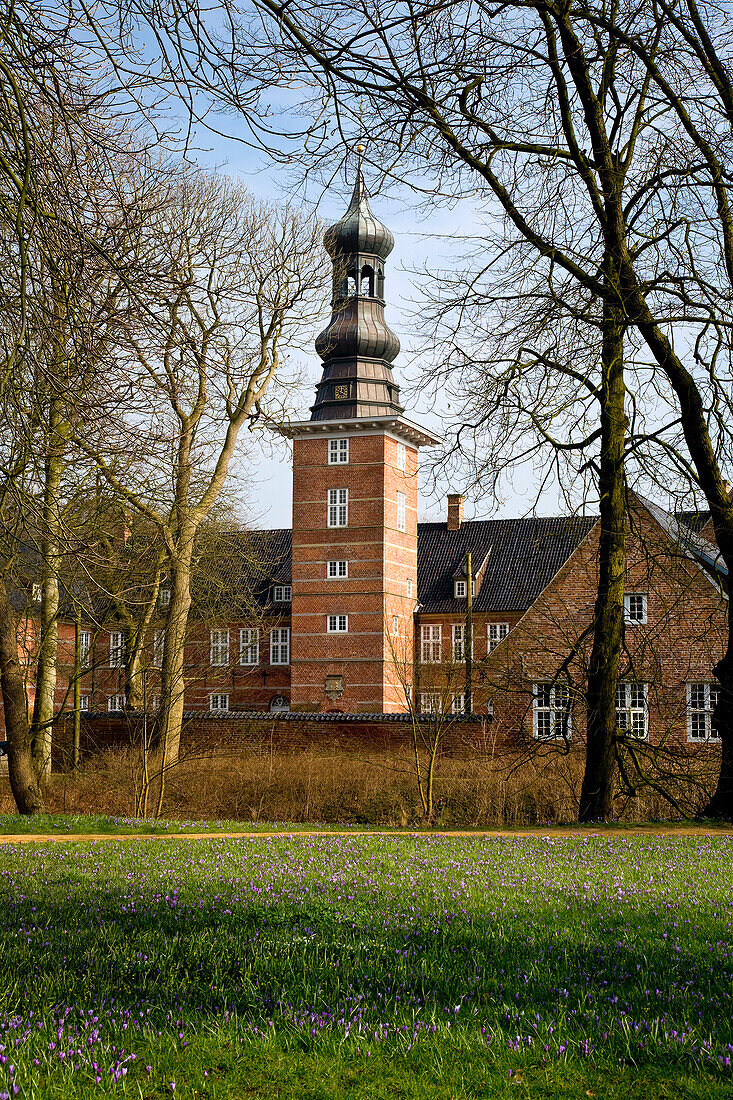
(455, 511)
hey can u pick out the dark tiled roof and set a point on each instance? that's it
(238, 575)
(524, 556)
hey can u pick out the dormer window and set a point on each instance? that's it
(461, 587)
(282, 593)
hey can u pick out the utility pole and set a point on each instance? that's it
(468, 640)
(76, 752)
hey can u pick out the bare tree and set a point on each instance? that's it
(571, 123)
(242, 280)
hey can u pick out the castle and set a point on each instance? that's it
(361, 610)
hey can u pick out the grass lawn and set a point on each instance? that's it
(377, 967)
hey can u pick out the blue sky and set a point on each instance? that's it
(266, 496)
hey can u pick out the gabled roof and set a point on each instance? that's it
(525, 556)
(699, 549)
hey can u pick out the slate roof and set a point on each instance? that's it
(242, 570)
(525, 554)
(694, 520)
(703, 552)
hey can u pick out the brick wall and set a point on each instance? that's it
(381, 559)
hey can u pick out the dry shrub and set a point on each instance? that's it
(374, 788)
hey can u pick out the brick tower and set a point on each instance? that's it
(355, 494)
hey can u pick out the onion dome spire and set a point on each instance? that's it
(357, 347)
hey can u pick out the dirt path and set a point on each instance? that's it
(545, 833)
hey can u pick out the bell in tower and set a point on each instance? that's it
(358, 346)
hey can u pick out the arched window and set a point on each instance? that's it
(350, 286)
(279, 705)
(380, 283)
(366, 286)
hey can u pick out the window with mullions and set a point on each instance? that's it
(459, 703)
(701, 701)
(459, 641)
(336, 569)
(430, 644)
(249, 646)
(401, 517)
(116, 649)
(116, 703)
(282, 593)
(338, 507)
(280, 646)
(401, 457)
(338, 452)
(219, 702)
(552, 718)
(337, 624)
(219, 647)
(631, 709)
(634, 608)
(497, 632)
(430, 702)
(85, 648)
(158, 648)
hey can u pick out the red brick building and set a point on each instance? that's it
(361, 609)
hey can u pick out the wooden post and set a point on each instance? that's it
(468, 640)
(76, 751)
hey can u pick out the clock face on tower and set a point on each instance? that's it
(341, 393)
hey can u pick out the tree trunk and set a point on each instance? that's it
(173, 683)
(23, 779)
(596, 796)
(43, 705)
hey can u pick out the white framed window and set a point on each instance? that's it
(430, 644)
(115, 702)
(338, 507)
(401, 457)
(430, 702)
(337, 624)
(219, 701)
(496, 632)
(701, 701)
(459, 641)
(338, 452)
(460, 588)
(280, 646)
(85, 648)
(336, 569)
(631, 708)
(219, 647)
(458, 705)
(282, 593)
(395, 624)
(37, 591)
(83, 702)
(552, 705)
(409, 587)
(249, 646)
(116, 649)
(164, 597)
(634, 608)
(401, 520)
(158, 647)
(155, 702)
